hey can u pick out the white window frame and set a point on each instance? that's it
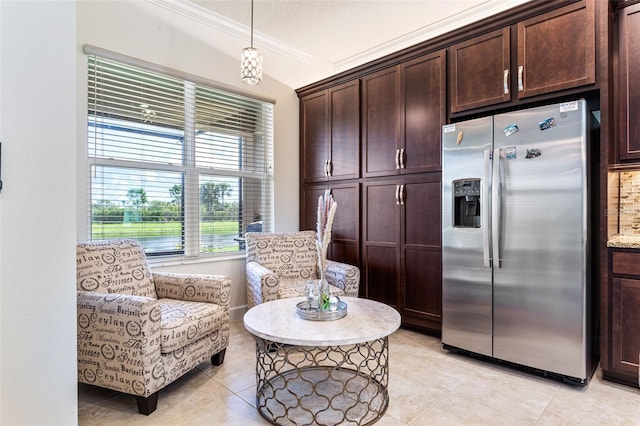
(190, 171)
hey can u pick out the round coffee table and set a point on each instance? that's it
(322, 372)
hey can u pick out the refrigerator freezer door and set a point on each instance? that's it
(539, 289)
(466, 280)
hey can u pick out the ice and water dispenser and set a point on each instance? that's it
(466, 203)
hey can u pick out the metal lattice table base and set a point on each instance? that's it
(299, 385)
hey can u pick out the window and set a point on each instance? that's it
(183, 168)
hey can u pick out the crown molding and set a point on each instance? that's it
(475, 13)
(235, 29)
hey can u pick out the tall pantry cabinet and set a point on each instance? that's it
(403, 110)
(388, 218)
(330, 160)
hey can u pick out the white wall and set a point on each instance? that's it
(43, 203)
(149, 32)
(37, 213)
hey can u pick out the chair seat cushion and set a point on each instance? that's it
(296, 288)
(185, 322)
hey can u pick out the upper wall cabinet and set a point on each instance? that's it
(555, 51)
(330, 132)
(403, 109)
(479, 71)
(629, 77)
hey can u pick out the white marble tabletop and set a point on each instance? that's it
(366, 320)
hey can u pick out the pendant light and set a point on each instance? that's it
(251, 66)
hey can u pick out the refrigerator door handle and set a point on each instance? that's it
(484, 206)
(495, 207)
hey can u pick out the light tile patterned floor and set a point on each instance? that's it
(427, 386)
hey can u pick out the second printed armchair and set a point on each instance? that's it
(279, 265)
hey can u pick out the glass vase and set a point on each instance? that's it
(313, 293)
(324, 301)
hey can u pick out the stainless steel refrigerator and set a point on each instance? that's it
(516, 280)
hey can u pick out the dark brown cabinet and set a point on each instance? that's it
(403, 110)
(629, 78)
(554, 51)
(330, 132)
(480, 70)
(345, 241)
(532, 53)
(621, 363)
(423, 97)
(401, 247)
(380, 123)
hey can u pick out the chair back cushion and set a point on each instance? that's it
(113, 266)
(291, 255)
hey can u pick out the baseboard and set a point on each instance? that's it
(237, 313)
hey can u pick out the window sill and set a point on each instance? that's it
(181, 260)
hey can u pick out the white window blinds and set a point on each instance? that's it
(183, 168)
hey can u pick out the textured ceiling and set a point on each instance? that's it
(325, 37)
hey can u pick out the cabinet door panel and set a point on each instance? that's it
(345, 224)
(625, 317)
(423, 288)
(557, 50)
(381, 209)
(315, 136)
(629, 36)
(345, 236)
(381, 242)
(308, 218)
(380, 123)
(421, 248)
(424, 92)
(422, 213)
(345, 131)
(477, 71)
(381, 274)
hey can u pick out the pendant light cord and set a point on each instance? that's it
(252, 23)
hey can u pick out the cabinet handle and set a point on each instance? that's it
(329, 168)
(520, 85)
(326, 168)
(402, 158)
(401, 195)
(397, 158)
(506, 82)
(397, 195)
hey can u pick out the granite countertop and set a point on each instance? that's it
(624, 241)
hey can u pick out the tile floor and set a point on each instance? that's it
(427, 386)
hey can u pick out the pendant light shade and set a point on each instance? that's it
(251, 65)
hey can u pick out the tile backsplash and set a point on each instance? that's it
(629, 209)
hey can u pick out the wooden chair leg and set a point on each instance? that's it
(147, 405)
(218, 358)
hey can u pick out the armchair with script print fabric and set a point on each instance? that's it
(279, 265)
(138, 331)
